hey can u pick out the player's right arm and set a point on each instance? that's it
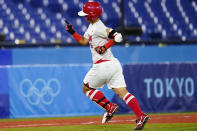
(113, 37)
(82, 40)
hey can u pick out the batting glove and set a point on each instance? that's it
(70, 29)
(100, 49)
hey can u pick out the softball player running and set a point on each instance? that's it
(106, 68)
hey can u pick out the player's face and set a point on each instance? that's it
(94, 21)
(86, 17)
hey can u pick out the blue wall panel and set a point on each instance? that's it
(50, 91)
(4, 96)
(132, 54)
(161, 87)
(62, 65)
(155, 54)
(68, 55)
(5, 57)
(75, 55)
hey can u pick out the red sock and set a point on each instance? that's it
(99, 98)
(131, 101)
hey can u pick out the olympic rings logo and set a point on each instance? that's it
(40, 91)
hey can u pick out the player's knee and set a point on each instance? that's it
(85, 88)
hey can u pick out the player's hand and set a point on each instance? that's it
(70, 29)
(100, 49)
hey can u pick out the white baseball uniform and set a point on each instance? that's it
(106, 68)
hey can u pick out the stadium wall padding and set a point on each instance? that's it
(55, 90)
(4, 93)
(76, 55)
(163, 87)
(50, 91)
(5, 57)
(39, 82)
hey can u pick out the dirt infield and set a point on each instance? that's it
(169, 118)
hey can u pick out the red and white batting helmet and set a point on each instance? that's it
(92, 10)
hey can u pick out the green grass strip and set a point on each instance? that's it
(115, 127)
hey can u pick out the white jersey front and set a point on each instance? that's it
(97, 36)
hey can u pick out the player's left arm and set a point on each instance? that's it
(113, 36)
(81, 39)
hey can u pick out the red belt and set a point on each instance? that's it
(100, 61)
